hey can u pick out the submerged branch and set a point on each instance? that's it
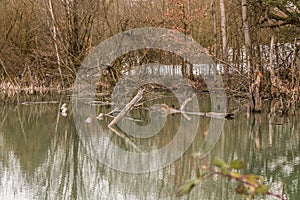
(38, 102)
(124, 136)
(165, 109)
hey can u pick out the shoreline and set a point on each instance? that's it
(11, 89)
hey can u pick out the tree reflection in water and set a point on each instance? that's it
(42, 157)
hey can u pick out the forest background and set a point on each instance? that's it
(256, 43)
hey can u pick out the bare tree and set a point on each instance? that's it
(247, 37)
(213, 12)
(255, 77)
(53, 28)
(224, 35)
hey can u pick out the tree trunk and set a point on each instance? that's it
(224, 36)
(213, 12)
(75, 45)
(272, 73)
(256, 90)
(54, 37)
(255, 78)
(247, 38)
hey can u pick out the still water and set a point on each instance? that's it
(42, 156)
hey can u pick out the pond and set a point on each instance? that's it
(43, 156)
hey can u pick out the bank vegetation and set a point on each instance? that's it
(255, 43)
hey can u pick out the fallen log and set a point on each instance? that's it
(99, 103)
(213, 115)
(113, 113)
(165, 109)
(38, 102)
(126, 109)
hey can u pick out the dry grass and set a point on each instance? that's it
(9, 89)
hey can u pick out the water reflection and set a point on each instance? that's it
(42, 157)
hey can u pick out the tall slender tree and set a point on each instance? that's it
(254, 75)
(224, 36)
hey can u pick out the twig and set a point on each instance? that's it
(185, 103)
(4, 68)
(230, 65)
(213, 172)
(182, 108)
(114, 110)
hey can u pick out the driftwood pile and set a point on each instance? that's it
(163, 108)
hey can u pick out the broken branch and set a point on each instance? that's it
(126, 109)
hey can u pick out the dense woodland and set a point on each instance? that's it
(257, 42)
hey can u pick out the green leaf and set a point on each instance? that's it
(224, 170)
(219, 163)
(235, 175)
(187, 187)
(262, 189)
(237, 164)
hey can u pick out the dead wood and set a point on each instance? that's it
(126, 109)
